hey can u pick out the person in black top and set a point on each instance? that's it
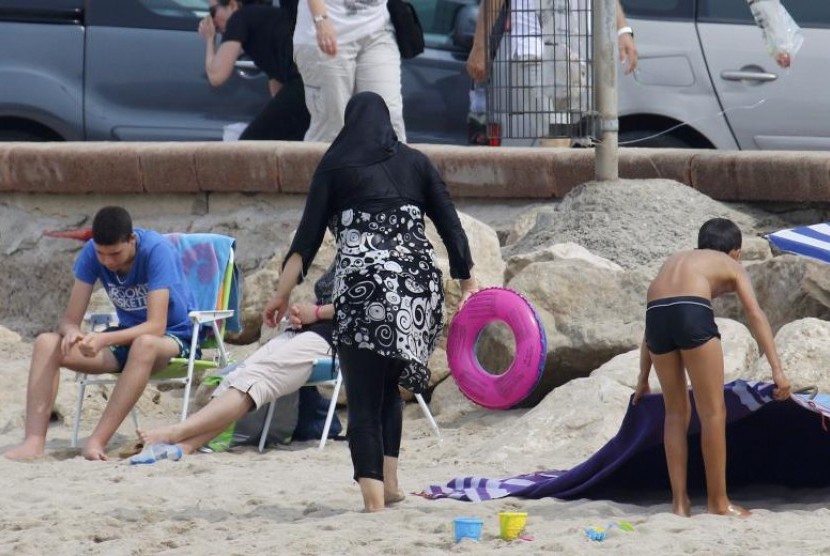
(388, 292)
(265, 34)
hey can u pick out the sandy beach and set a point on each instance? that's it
(300, 500)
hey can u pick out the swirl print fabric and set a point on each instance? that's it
(388, 293)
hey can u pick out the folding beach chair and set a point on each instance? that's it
(208, 264)
(327, 372)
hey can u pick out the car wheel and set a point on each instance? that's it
(20, 135)
(649, 138)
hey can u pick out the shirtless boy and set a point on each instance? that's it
(682, 337)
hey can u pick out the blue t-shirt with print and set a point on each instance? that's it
(156, 266)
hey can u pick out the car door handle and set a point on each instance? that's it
(744, 75)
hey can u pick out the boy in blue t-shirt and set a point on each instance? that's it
(143, 277)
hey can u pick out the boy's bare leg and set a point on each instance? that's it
(205, 424)
(705, 366)
(147, 354)
(392, 493)
(672, 378)
(42, 388)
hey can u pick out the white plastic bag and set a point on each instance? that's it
(782, 35)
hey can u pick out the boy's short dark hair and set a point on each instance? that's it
(719, 234)
(112, 225)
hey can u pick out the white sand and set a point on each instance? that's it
(302, 501)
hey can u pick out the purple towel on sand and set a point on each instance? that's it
(763, 436)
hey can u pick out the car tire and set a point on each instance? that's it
(649, 138)
(20, 135)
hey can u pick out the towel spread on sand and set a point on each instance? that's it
(768, 442)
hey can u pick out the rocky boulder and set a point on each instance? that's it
(804, 349)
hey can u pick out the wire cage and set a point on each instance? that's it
(540, 71)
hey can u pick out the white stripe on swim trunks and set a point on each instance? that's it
(679, 303)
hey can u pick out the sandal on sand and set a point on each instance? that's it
(157, 452)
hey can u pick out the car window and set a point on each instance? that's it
(660, 9)
(806, 13)
(177, 8)
(182, 15)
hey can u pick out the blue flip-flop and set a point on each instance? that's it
(157, 452)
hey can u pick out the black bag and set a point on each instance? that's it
(408, 31)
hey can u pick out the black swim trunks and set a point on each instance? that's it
(674, 323)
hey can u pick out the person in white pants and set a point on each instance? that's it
(343, 47)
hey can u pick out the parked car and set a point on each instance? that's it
(134, 70)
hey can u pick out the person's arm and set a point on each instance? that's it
(218, 62)
(155, 325)
(70, 324)
(326, 35)
(301, 314)
(642, 387)
(625, 40)
(440, 208)
(759, 325)
(477, 59)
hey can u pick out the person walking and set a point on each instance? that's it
(264, 34)
(388, 292)
(343, 47)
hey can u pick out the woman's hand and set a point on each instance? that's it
(274, 310)
(628, 52)
(207, 29)
(477, 64)
(326, 37)
(469, 286)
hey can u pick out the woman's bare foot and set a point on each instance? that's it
(390, 498)
(94, 451)
(29, 449)
(732, 510)
(682, 507)
(160, 435)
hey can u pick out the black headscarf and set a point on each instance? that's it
(367, 136)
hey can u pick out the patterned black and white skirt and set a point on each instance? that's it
(388, 293)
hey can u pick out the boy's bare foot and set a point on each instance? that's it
(390, 498)
(683, 508)
(94, 451)
(732, 510)
(160, 435)
(29, 449)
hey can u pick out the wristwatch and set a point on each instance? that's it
(319, 18)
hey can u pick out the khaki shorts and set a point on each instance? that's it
(278, 368)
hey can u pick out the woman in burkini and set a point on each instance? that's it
(388, 294)
(682, 337)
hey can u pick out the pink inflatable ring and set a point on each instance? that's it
(518, 381)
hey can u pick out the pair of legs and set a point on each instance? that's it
(147, 354)
(371, 63)
(375, 414)
(284, 118)
(278, 368)
(705, 368)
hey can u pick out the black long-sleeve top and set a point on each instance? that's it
(371, 189)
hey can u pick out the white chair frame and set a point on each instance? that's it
(198, 318)
(337, 382)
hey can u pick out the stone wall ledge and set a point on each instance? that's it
(471, 172)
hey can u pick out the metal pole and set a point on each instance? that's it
(606, 162)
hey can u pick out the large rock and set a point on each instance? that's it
(788, 288)
(590, 314)
(804, 349)
(560, 251)
(630, 222)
